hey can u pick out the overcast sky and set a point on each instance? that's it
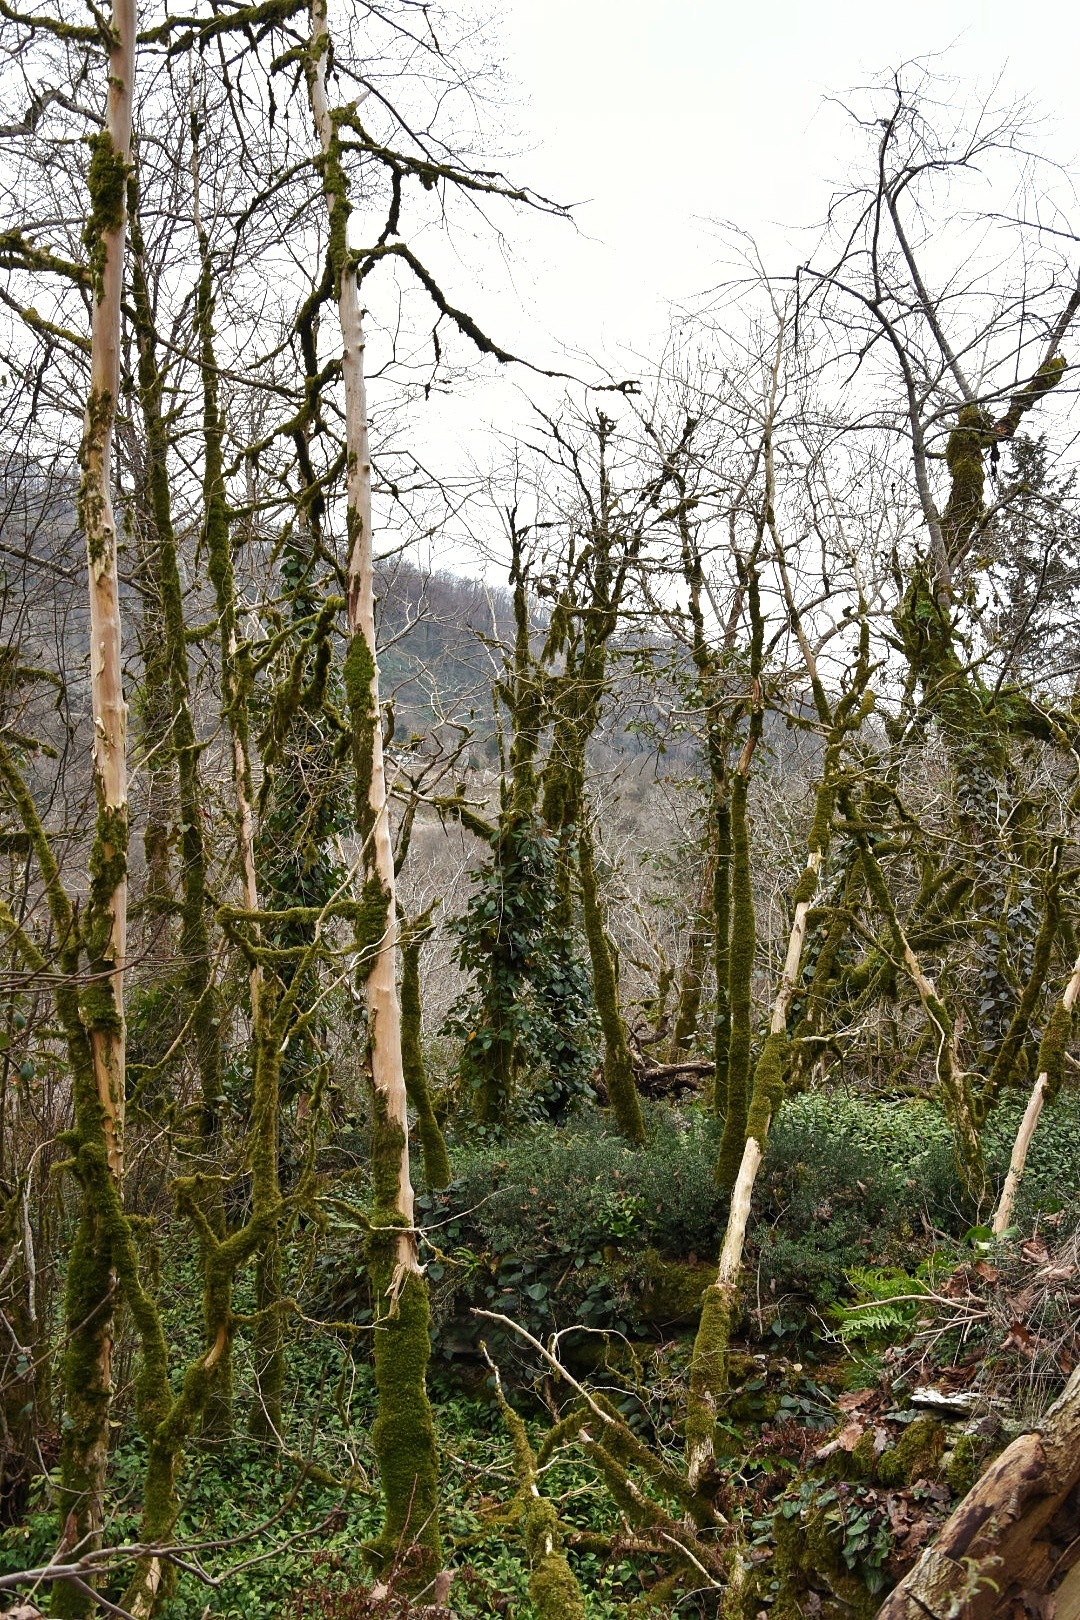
(661, 117)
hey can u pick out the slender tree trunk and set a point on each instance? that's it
(740, 971)
(236, 682)
(432, 1141)
(203, 1005)
(98, 1149)
(721, 944)
(618, 1063)
(956, 1095)
(693, 973)
(708, 1363)
(708, 1366)
(1050, 1065)
(403, 1435)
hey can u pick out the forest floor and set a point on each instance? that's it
(887, 1350)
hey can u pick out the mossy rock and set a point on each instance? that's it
(809, 1558)
(917, 1455)
(860, 1463)
(753, 1402)
(672, 1289)
(967, 1460)
(741, 1366)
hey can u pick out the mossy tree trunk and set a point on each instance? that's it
(432, 1141)
(98, 1078)
(708, 1365)
(743, 944)
(618, 1062)
(585, 619)
(553, 1586)
(202, 999)
(692, 980)
(403, 1434)
(260, 1238)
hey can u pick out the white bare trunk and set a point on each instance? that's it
(384, 1010)
(753, 1152)
(738, 1214)
(1003, 1213)
(99, 524)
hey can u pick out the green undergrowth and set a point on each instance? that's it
(563, 1227)
(556, 1226)
(291, 1529)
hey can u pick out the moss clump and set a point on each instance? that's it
(553, 1586)
(1052, 1048)
(359, 676)
(708, 1371)
(108, 871)
(432, 1141)
(107, 185)
(973, 433)
(387, 1146)
(768, 1086)
(673, 1289)
(917, 1455)
(964, 1464)
(809, 1558)
(863, 1456)
(371, 920)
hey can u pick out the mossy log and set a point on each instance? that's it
(1011, 1544)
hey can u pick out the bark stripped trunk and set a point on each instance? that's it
(106, 930)
(403, 1433)
(98, 1148)
(1051, 1058)
(708, 1367)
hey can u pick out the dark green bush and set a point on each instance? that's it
(557, 1226)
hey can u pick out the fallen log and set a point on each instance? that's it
(1010, 1546)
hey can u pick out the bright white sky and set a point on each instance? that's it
(662, 119)
(660, 116)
